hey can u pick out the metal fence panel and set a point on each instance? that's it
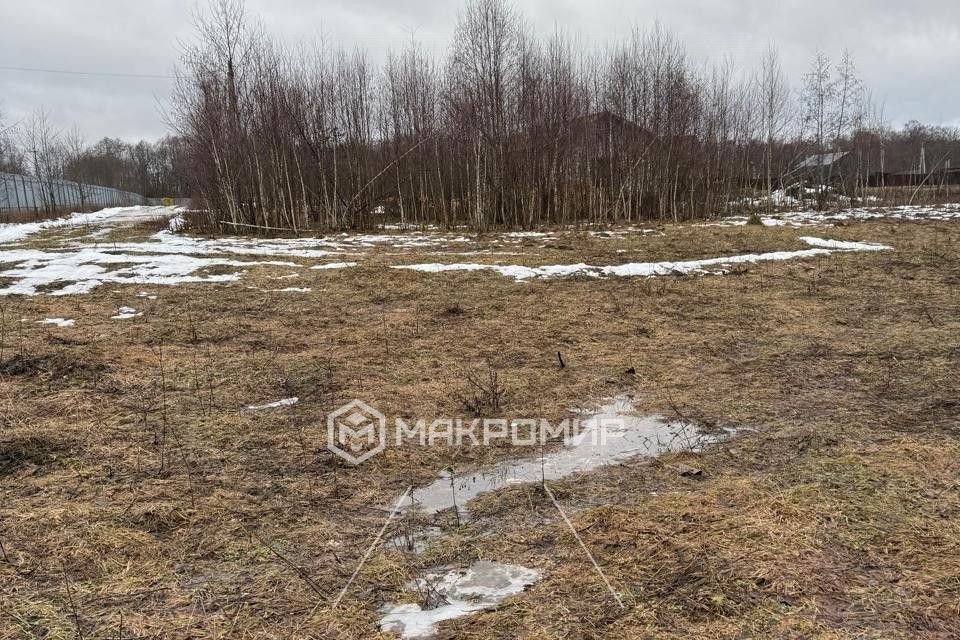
(26, 193)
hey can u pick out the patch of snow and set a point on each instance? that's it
(60, 322)
(167, 242)
(334, 265)
(483, 586)
(279, 404)
(621, 233)
(177, 224)
(126, 313)
(799, 219)
(114, 215)
(778, 197)
(291, 290)
(83, 269)
(526, 234)
(647, 269)
(844, 246)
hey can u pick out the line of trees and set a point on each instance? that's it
(9, 154)
(506, 129)
(36, 147)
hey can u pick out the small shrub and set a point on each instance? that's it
(483, 395)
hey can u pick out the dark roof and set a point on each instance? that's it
(822, 160)
(606, 121)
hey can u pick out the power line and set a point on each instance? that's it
(89, 73)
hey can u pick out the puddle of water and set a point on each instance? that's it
(611, 435)
(458, 593)
(415, 542)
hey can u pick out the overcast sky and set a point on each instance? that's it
(907, 52)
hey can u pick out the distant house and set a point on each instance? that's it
(812, 165)
(606, 127)
(833, 168)
(947, 176)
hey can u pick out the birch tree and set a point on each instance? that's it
(774, 97)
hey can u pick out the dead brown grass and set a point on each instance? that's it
(135, 487)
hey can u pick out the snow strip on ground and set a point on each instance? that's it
(116, 215)
(168, 242)
(798, 219)
(648, 269)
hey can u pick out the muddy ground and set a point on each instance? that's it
(140, 499)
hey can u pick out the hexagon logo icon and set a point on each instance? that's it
(356, 432)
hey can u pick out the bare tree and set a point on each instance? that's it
(44, 152)
(74, 149)
(819, 93)
(507, 129)
(774, 97)
(11, 160)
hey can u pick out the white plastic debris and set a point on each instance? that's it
(60, 322)
(279, 404)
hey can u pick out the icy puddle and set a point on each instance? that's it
(611, 435)
(456, 594)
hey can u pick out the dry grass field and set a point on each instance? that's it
(139, 498)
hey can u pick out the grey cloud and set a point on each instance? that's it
(906, 52)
